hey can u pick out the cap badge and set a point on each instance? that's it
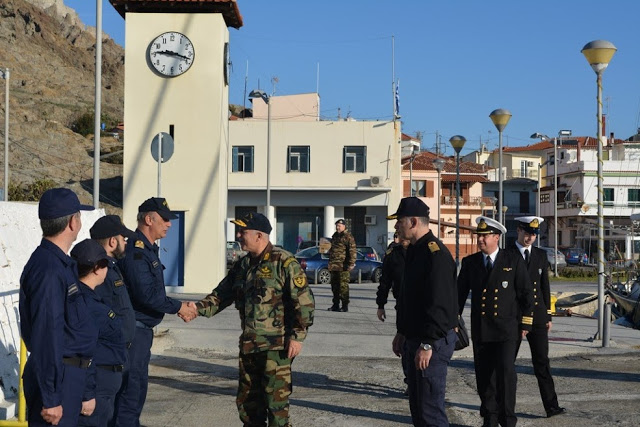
(534, 223)
(482, 225)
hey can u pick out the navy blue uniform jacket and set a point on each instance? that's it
(114, 294)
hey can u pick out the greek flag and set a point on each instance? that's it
(397, 103)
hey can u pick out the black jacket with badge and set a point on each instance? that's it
(502, 301)
(392, 273)
(427, 302)
(539, 273)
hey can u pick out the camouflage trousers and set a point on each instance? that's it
(264, 388)
(340, 287)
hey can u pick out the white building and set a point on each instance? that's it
(319, 171)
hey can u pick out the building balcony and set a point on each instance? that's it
(467, 201)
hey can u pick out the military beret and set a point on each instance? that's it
(341, 221)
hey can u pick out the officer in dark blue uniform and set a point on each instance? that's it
(143, 275)
(110, 232)
(105, 375)
(54, 320)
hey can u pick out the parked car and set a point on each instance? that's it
(234, 252)
(313, 261)
(575, 256)
(562, 262)
(369, 252)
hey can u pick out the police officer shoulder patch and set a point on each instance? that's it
(111, 314)
(139, 244)
(433, 247)
(299, 281)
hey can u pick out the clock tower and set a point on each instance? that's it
(176, 83)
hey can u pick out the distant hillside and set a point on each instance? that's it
(51, 55)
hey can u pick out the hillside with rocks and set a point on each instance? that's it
(51, 57)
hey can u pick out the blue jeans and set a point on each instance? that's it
(427, 388)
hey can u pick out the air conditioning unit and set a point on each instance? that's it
(529, 164)
(375, 181)
(370, 220)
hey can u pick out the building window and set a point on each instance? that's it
(545, 198)
(242, 158)
(607, 196)
(634, 197)
(298, 158)
(524, 169)
(422, 188)
(354, 159)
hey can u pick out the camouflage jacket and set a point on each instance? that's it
(342, 254)
(272, 297)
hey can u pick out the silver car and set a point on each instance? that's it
(234, 252)
(562, 262)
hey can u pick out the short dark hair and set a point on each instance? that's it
(84, 270)
(424, 220)
(55, 226)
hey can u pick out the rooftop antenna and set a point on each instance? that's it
(244, 97)
(274, 81)
(318, 78)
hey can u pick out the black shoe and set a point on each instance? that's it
(490, 421)
(406, 391)
(555, 411)
(334, 307)
(345, 308)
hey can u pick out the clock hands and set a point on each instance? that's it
(171, 53)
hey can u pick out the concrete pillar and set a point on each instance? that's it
(329, 221)
(271, 215)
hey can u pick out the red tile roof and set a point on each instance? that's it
(542, 145)
(584, 141)
(424, 161)
(228, 8)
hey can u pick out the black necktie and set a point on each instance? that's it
(526, 256)
(489, 264)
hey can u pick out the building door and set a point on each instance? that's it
(172, 252)
(354, 217)
(298, 224)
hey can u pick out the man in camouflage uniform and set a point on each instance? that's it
(269, 289)
(342, 259)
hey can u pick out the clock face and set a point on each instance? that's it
(171, 54)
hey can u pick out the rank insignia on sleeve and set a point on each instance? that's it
(111, 314)
(299, 281)
(155, 264)
(433, 247)
(139, 244)
(72, 289)
(118, 283)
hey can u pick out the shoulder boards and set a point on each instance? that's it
(433, 247)
(139, 244)
(389, 251)
(288, 261)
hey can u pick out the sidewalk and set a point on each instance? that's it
(348, 376)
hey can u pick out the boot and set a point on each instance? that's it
(334, 307)
(345, 307)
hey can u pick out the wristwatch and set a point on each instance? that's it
(425, 347)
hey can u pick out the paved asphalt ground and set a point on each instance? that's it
(348, 376)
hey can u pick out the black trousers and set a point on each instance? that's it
(538, 339)
(496, 381)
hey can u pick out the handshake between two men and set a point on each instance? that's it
(188, 311)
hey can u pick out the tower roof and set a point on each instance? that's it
(228, 8)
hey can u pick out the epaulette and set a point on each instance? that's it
(139, 244)
(389, 251)
(433, 247)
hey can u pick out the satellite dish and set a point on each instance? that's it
(584, 208)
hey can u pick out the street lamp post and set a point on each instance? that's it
(257, 93)
(599, 53)
(5, 75)
(500, 118)
(494, 200)
(438, 163)
(457, 142)
(540, 166)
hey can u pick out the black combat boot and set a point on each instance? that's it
(345, 307)
(334, 307)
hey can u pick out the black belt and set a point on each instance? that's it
(112, 368)
(139, 324)
(78, 362)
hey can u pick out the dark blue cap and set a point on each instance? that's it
(88, 252)
(110, 226)
(254, 221)
(59, 202)
(411, 206)
(157, 204)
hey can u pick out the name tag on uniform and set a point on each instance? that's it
(118, 283)
(72, 289)
(505, 284)
(155, 264)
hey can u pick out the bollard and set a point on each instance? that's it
(315, 277)
(359, 276)
(606, 324)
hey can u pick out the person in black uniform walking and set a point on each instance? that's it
(110, 233)
(501, 313)
(538, 338)
(391, 279)
(105, 375)
(427, 313)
